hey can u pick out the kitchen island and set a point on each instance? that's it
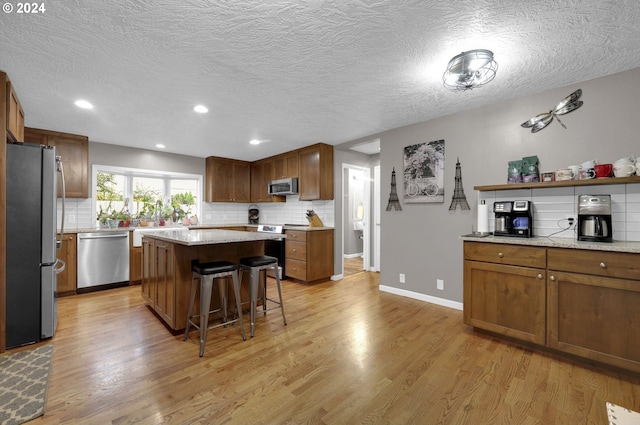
(166, 265)
(571, 297)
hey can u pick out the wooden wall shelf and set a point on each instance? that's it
(567, 183)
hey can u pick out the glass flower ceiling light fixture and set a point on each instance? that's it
(469, 70)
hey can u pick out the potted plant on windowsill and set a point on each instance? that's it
(103, 217)
(182, 203)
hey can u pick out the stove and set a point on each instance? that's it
(274, 247)
(270, 228)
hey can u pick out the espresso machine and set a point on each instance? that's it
(594, 218)
(513, 218)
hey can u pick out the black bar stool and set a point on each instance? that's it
(255, 265)
(207, 273)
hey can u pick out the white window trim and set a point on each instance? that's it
(141, 172)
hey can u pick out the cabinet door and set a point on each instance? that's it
(241, 181)
(509, 300)
(74, 151)
(319, 254)
(135, 263)
(227, 180)
(165, 285)
(258, 190)
(316, 173)
(15, 114)
(67, 280)
(75, 161)
(148, 271)
(219, 180)
(286, 165)
(595, 317)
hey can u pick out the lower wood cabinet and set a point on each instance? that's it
(68, 279)
(309, 255)
(502, 296)
(135, 262)
(158, 283)
(589, 298)
(594, 313)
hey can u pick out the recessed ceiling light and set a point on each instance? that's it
(255, 142)
(160, 146)
(83, 104)
(201, 109)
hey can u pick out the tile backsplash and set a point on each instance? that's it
(79, 213)
(552, 207)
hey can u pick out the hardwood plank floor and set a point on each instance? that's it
(352, 266)
(349, 355)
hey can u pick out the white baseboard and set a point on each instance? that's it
(358, 254)
(337, 277)
(422, 297)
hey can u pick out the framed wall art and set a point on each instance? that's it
(424, 172)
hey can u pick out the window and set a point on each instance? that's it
(141, 196)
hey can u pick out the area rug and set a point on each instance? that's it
(24, 379)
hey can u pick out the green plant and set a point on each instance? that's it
(103, 215)
(182, 203)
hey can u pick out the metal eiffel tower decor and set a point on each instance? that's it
(394, 202)
(459, 199)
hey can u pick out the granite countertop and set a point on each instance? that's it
(211, 237)
(300, 227)
(615, 246)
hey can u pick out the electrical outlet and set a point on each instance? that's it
(401, 277)
(440, 284)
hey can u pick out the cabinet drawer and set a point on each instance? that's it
(296, 235)
(515, 255)
(296, 250)
(296, 269)
(599, 263)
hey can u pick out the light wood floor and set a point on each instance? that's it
(349, 355)
(353, 265)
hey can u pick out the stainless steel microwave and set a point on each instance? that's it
(283, 187)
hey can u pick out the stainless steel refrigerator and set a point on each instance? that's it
(31, 296)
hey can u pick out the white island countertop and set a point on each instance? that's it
(615, 246)
(212, 236)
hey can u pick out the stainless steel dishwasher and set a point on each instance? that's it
(103, 258)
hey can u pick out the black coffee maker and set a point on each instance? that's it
(594, 218)
(513, 218)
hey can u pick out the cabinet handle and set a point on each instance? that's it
(552, 277)
(603, 266)
(293, 250)
(500, 255)
(539, 275)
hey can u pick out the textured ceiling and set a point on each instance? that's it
(292, 72)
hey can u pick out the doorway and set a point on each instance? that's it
(356, 220)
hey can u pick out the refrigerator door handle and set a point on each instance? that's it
(64, 196)
(61, 266)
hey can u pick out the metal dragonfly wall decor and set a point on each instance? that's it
(568, 104)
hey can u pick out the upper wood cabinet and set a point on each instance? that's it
(285, 165)
(74, 151)
(15, 114)
(227, 180)
(262, 172)
(316, 172)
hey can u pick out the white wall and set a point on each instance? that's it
(423, 241)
